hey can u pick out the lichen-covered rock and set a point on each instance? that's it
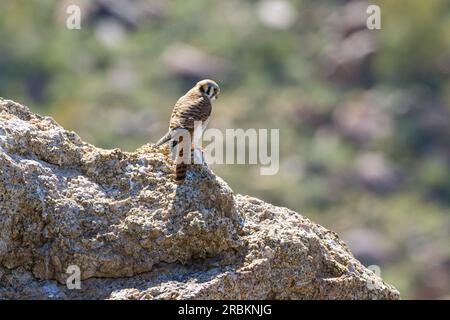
(135, 234)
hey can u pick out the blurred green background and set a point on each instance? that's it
(364, 115)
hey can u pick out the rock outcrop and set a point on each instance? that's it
(134, 234)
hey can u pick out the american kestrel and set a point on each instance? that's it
(194, 106)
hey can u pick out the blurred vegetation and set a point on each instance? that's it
(364, 115)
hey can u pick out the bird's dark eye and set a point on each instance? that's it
(208, 91)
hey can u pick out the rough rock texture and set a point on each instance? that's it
(136, 235)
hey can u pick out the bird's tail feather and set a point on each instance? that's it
(180, 172)
(164, 139)
(182, 165)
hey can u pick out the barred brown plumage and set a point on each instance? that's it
(194, 106)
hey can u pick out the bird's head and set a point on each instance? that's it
(210, 88)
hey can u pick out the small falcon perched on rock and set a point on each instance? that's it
(194, 106)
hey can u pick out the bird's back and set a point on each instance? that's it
(193, 106)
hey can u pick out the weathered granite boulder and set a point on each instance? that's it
(134, 234)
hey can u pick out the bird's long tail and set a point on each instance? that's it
(182, 164)
(166, 138)
(180, 172)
